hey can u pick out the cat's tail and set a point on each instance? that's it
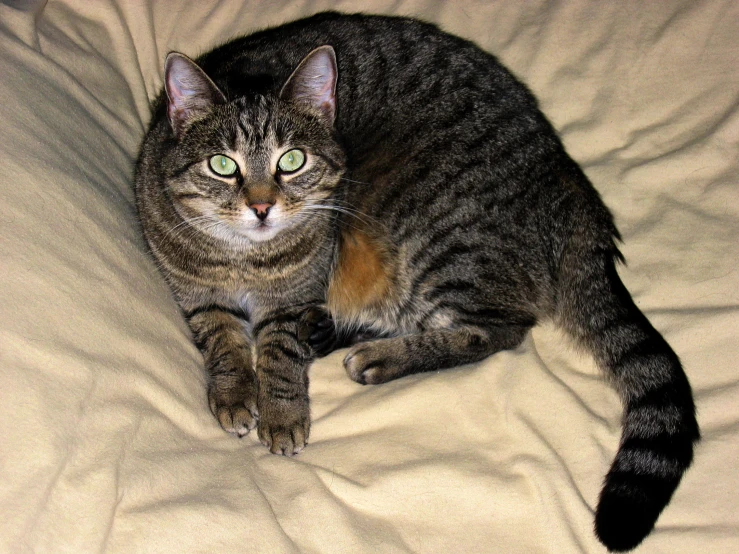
(659, 425)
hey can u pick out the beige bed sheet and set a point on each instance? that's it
(106, 441)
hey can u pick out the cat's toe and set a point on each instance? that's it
(285, 441)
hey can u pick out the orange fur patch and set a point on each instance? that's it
(362, 278)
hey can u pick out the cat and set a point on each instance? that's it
(370, 176)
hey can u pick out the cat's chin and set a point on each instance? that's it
(261, 233)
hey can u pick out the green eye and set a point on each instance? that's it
(223, 165)
(292, 160)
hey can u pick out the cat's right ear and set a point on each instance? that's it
(190, 92)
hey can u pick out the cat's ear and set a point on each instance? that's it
(314, 82)
(190, 92)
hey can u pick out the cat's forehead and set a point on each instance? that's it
(260, 126)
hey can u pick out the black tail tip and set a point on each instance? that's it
(621, 524)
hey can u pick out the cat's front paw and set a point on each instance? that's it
(233, 401)
(284, 425)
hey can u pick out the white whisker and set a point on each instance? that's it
(346, 209)
(324, 211)
(186, 225)
(353, 181)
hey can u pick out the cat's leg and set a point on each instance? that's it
(283, 357)
(383, 360)
(222, 337)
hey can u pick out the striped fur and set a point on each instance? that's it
(438, 211)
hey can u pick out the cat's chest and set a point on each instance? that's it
(242, 291)
(238, 278)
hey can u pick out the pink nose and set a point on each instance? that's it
(261, 210)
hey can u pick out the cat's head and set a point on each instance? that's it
(250, 168)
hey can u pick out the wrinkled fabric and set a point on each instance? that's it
(106, 440)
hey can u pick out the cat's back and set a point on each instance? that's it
(395, 74)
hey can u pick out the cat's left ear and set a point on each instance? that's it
(314, 82)
(190, 92)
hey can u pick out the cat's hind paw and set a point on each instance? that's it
(318, 329)
(371, 363)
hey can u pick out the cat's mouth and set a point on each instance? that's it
(261, 231)
(263, 227)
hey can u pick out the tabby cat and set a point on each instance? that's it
(379, 175)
